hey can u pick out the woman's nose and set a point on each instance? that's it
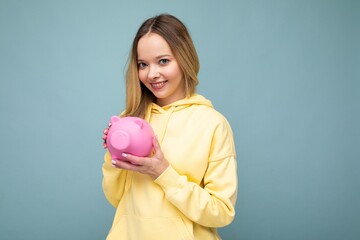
(153, 73)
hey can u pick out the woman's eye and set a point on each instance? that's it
(164, 61)
(142, 65)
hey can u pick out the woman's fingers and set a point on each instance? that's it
(104, 136)
(157, 149)
(134, 160)
(153, 166)
(156, 143)
(127, 165)
(121, 164)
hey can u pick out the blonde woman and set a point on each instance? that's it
(187, 188)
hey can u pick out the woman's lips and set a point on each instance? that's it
(158, 85)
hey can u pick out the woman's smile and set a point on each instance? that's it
(158, 85)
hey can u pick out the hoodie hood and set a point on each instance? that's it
(195, 99)
(167, 111)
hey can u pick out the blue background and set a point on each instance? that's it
(284, 73)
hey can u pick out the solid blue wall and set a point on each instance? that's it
(284, 73)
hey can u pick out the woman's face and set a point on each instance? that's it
(158, 69)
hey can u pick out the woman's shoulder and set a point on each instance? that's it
(208, 115)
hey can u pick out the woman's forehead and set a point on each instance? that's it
(153, 46)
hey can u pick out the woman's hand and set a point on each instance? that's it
(153, 166)
(105, 133)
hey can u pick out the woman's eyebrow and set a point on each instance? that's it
(163, 55)
(158, 57)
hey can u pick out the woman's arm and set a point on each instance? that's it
(212, 205)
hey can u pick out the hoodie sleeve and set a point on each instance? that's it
(114, 181)
(213, 203)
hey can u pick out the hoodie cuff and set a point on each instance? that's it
(169, 179)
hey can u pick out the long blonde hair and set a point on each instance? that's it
(138, 97)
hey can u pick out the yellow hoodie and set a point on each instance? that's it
(193, 196)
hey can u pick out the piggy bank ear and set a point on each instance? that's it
(138, 122)
(114, 119)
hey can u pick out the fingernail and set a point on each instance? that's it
(124, 155)
(105, 145)
(113, 162)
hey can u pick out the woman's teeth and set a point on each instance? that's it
(158, 84)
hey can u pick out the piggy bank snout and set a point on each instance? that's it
(120, 140)
(129, 135)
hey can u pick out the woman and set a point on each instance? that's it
(187, 188)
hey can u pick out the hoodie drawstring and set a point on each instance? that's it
(163, 130)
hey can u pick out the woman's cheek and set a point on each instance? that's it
(142, 76)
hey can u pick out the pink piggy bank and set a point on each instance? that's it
(131, 135)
